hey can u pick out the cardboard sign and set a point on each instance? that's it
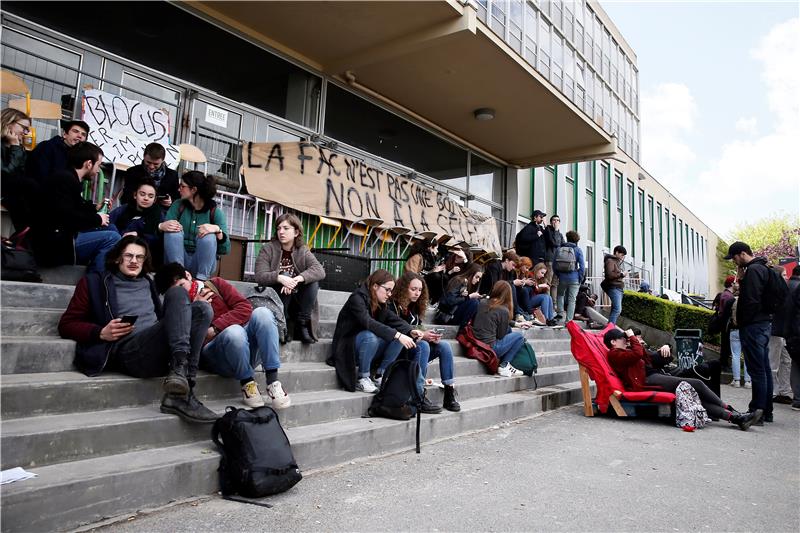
(316, 180)
(122, 127)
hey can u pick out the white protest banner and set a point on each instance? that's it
(122, 127)
(315, 180)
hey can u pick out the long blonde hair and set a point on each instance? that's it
(548, 276)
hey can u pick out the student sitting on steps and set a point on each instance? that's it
(239, 338)
(364, 329)
(460, 301)
(409, 301)
(120, 324)
(492, 325)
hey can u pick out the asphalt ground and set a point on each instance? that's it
(559, 471)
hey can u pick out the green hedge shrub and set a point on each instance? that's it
(666, 315)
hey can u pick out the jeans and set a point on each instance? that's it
(507, 347)
(755, 343)
(182, 329)
(616, 304)
(237, 350)
(92, 246)
(201, 262)
(545, 303)
(442, 351)
(780, 361)
(570, 290)
(369, 346)
(464, 312)
(736, 355)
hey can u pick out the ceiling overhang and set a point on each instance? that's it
(434, 60)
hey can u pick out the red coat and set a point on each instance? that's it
(230, 307)
(629, 365)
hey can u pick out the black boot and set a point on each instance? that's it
(188, 408)
(429, 408)
(304, 325)
(176, 382)
(450, 402)
(745, 420)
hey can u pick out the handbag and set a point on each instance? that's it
(475, 349)
(18, 263)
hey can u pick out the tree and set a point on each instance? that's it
(775, 236)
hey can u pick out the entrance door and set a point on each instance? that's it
(216, 130)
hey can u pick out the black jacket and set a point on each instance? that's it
(48, 158)
(354, 317)
(530, 243)
(750, 309)
(791, 330)
(134, 175)
(781, 321)
(553, 238)
(494, 272)
(62, 214)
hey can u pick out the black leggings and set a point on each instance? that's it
(299, 304)
(715, 407)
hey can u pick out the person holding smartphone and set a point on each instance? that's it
(460, 301)
(409, 301)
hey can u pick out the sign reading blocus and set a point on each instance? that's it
(315, 180)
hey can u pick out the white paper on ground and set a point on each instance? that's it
(15, 474)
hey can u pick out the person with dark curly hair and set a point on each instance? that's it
(409, 301)
(195, 230)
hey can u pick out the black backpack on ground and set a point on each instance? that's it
(257, 458)
(18, 263)
(398, 398)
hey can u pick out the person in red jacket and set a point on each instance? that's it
(638, 369)
(239, 338)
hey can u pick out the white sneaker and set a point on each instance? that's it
(278, 396)
(251, 396)
(366, 385)
(748, 385)
(735, 384)
(508, 371)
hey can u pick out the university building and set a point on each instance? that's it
(501, 106)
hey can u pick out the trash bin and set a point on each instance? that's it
(688, 348)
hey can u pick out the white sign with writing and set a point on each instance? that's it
(122, 127)
(216, 116)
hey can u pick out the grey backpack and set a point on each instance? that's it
(688, 409)
(565, 260)
(267, 297)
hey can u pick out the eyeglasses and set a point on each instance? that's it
(130, 257)
(387, 289)
(25, 127)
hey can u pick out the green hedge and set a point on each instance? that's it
(666, 315)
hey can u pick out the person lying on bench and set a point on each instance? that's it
(636, 369)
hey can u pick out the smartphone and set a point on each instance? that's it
(129, 319)
(438, 331)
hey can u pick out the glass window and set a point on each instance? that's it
(499, 17)
(485, 180)
(605, 171)
(355, 121)
(525, 195)
(515, 25)
(531, 26)
(549, 191)
(544, 47)
(556, 74)
(590, 188)
(569, 219)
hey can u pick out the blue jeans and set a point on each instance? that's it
(464, 312)
(736, 355)
(616, 304)
(201, 262)
(507, 347)
(237, 350)
(369, 346)
(568, 292)
(430, 351)
(755, 343)
(545, 303)
(92, 246)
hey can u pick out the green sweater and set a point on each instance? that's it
(183, 212)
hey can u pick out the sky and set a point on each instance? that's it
(719, 87)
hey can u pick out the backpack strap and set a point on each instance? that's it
(211, 286)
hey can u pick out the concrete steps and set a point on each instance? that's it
(86, 491)
(102, 448)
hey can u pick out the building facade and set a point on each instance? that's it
(457, 95)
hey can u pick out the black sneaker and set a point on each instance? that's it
(552, 322)
(782, 398)
(428, 408)
(558, 317)
(188, 408)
